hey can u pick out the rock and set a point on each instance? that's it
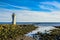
(24, 38)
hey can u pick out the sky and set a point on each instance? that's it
(30, 10)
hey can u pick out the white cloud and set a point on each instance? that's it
(46, 7)
(39, 16)
(56, 4)
(30, 16)
(7, 5)
(50, 5)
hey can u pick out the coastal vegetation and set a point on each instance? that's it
(11, 32)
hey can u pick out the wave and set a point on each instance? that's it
(40, 29)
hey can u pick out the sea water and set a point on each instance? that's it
(36, 23)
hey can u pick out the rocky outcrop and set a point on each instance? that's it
(24, 38)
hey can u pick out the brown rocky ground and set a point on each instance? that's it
(24, 38)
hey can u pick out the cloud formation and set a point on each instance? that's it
(27, 15)
(50, 5)
(31, 16)
(6, 5)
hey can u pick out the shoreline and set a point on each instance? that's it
(40, 29)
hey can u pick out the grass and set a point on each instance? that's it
(8, 31)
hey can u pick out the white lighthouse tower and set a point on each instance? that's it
(13, 19)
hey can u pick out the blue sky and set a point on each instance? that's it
(30, 10)
(31, 4)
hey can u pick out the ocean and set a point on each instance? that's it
(36, 23)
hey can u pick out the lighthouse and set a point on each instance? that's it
(13, 19)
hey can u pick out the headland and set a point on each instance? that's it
(11, 32)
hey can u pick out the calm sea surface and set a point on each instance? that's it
(36, 23)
